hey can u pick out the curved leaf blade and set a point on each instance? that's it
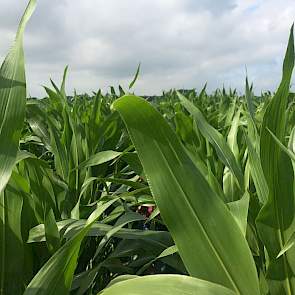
(276, 219)
(180, 189)
(165, 285)
(215, 138)
(12, 100)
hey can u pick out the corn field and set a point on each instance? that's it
(113, 194)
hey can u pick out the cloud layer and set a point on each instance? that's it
(180, 43)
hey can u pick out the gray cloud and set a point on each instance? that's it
(180, 43)
(214, 6)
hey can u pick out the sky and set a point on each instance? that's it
(179, 43)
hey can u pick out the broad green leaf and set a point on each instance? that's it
(122, 221)
(56, 275)
(230, 186)
(215, 138)
(71, 227)
(41, 189)
(51, 232)
(11, 244)
(36, 119)
(257, 173)
(22, 155)
(100, 158)
(121, 278)
(288, 151)
(165, 285)
(207, 173)
(203, 221)
(12, 111)
(125, 219)
(239, 210)
(12, 100)
(276, 220)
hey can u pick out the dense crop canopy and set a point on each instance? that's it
(190, 193)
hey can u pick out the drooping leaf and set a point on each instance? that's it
(100, 158)
(168, 251)
(71, 227)
(56, 275)
(215, 138)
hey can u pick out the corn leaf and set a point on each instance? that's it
(187, 203)
(216, 139)
(276, 220)
(56, 275)
(135, 77)
(12, 100)
(12, 111)
(164, 285)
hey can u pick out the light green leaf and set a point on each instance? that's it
(100, 158)
(239, 210)
(215, 138)
(257, 173)
(276, 219)
(165, 285)
(56, 275)
(196, 217)
(51, 232)
(12, 100)
(12, 111)
(168, 251)
(290, 243)
(288, 151)
(230, 186)
(71, 227)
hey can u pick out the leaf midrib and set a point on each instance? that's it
(206, 235)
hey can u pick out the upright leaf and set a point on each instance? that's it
(12, 100)
(276, 220)
(11, 244)
(12, 111)
(197, 218)
(135, 77)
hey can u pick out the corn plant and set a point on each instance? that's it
(190, 193)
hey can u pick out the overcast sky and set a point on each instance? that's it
(180, 43)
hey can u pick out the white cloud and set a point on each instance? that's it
(180, 43)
